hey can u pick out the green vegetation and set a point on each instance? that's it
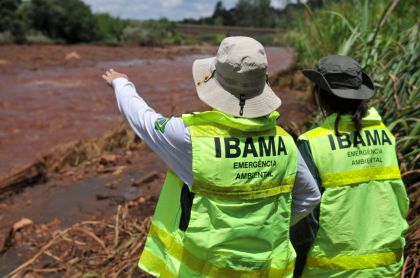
(13, 20)
(252, 13)
(214, 39)
(109, 28)
(71, 21)
(152, 32)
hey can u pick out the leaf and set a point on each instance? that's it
(348, 44)
(24, 222)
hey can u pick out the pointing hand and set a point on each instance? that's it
(110, 75)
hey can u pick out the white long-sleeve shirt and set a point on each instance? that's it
(173, 146)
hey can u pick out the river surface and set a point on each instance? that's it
(66, 100)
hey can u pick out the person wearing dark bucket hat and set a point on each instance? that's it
(341, 76)
(364, 203)
(237, 181)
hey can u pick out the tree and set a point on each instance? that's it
(8, 9)
(110, 28)
(79, 22)
(71, 20)
(256, 13)
(218, 14)
(13, 19)
(221, 16)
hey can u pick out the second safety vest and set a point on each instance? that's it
(238, 222)
(364, 203)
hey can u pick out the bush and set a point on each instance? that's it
(152, 33)
(37, 37)
(110, 29)
(268, 39)
(214, 39)
(6, 38)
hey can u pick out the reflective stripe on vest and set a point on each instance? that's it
(247, 191)
(355, 262)
(364, 204)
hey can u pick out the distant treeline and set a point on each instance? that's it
(254, 13)
(72, 21)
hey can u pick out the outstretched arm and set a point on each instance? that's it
(168, 138)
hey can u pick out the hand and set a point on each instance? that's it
(110, 75)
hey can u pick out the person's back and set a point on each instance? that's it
(364, 202)
(235, 221)
(226, 207)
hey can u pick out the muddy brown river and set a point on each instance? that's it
(54, 94)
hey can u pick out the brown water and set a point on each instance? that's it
(54, 101)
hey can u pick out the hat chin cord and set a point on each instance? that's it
(316, 93)
(241, 104)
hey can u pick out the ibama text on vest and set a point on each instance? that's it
(251, 146)
(371, 138)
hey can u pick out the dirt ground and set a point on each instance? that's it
(73, 222)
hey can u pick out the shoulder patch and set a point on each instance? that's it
(160, 124)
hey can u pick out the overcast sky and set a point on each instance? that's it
(172, 9)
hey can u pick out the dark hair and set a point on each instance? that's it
(330, 103)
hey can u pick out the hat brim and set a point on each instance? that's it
(214, 95)
(365, 91)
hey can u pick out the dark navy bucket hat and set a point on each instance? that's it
(342, 76)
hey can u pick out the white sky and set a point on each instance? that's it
(172, 9)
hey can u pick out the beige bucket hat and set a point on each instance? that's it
(235, 81)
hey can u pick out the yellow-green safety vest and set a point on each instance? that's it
(364, 204)
(243, 175)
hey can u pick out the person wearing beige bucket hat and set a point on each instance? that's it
(237, 75)
(237, 181)
(364, 202)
